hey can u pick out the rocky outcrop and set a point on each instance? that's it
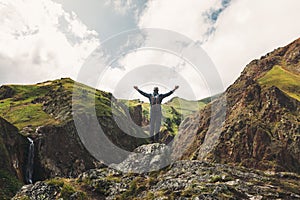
(59, 152)
(145, 158)
(136, 114)
(250, 124)
(182, 180)
(40, 190)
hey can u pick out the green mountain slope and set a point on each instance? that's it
(286, 81)
(48, 103)
(19, 108)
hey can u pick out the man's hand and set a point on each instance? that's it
(135, 87)
(176, 87)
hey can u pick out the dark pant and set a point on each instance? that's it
(155, 121)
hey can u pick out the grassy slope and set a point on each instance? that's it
(185, 107)
(21, 111)
(284, 80)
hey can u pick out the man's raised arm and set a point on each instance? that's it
(141, 92)
(169, 93)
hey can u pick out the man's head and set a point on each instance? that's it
(155, 90)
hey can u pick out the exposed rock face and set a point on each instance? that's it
(13, 154)
(59, 152)
(6, 92)
(136, 114)
(261, 124)
(13, 149)
(182, 180)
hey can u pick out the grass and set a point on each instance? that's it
(185, 107)
(284, 80)
(67, 188)
(136, 186)
(27, 114)
(21, 111)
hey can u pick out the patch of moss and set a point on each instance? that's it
(56, 182)
(24, 198)
(66, 191)
(151, 181)
(188, 192)
(136, 186)
(220, 178)
(67, 188)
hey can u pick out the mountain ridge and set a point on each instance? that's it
(261, 124)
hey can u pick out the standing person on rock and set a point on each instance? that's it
(155, 110)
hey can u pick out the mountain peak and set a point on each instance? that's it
(287, 56)
(261, 127)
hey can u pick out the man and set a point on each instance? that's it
(155, 109)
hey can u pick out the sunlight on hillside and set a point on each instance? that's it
(284, 80)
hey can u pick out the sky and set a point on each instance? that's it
(49, 39)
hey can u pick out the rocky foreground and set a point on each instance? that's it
(181, 180)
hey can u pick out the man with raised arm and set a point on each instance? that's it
(155, 109)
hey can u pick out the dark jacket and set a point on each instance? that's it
(155, 98)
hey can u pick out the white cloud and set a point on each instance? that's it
(188, 17)
(121, 6)
(41, 41)
(245, 30)
(249, 29)
(151, 56)
(149, 68)
(191, 19)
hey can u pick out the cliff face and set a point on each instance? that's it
(59, 152)
(261, 123)
(13, 153)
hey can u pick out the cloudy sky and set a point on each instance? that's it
(50, 39)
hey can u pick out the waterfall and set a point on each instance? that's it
(30, 160)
